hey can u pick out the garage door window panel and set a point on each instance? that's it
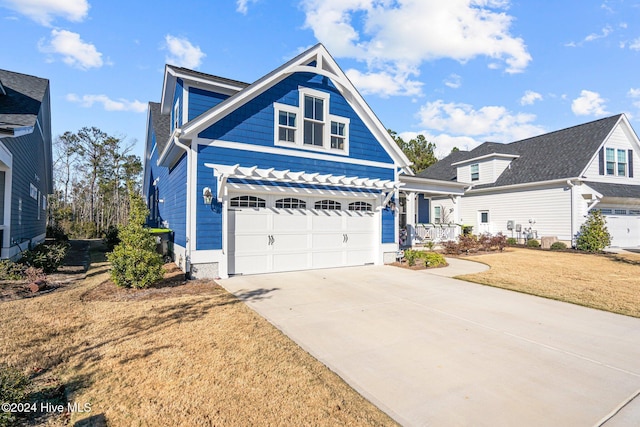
(248, 202)
(328, 205)
(291, 203)
(360, 206)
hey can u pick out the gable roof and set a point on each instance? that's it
(314, 60)
(556, 155)
(20, 101)
(160, 124)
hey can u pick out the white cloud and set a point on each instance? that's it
(635, 95)
(243, 6)
(383, 83)
(635, 44)
(397, 37)
(454, 81)
(588, 104)
(75, 52)
(489, 123)
(530, 97)
(444, 142)
(44, 11)
(182, 53)
(595, 36)
(108, 104)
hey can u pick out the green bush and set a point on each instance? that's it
(134, 261)
(512, 241)
(47, 257)
(432, 259)
(14, 386)
(557, 246)
(56, 232)
(10, 270)
(410, 255)
(533, 243)
(111, 238)
(593, 235)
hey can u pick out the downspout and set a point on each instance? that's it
(571, 185)
(187, 149)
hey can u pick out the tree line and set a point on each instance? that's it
(91, 171)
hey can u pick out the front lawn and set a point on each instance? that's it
(606, 282)
(178, 354)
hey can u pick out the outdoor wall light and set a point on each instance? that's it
(207, 196)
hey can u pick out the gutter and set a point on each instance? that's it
(187, 149)
(524, 185)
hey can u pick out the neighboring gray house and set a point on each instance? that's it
(25, 161)
(546, 185)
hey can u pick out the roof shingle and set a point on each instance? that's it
(20, 105)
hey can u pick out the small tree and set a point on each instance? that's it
(593, 235)
(134, 261)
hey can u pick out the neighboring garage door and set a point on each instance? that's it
(624, 227)
(283, 234)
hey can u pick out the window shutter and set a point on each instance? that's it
(630, 160)
(601, 159)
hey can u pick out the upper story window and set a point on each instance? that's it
(475, 172)
(616, 162)
(310, 125)
(248, 202)
(328, 204)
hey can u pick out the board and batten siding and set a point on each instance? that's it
(550, 207)
(619, 139)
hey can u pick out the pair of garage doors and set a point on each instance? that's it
(270, 234)
(623, 226)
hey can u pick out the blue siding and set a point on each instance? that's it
(253, 123)
(201, 100)
(177, 96)
(172, 188)
(388, 226)
(209, 219)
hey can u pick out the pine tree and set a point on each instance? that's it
(134, 261)
(593, 235)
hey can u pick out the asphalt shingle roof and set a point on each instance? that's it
(20, 104)
(615, 190)
(161, 124)
(555, 155)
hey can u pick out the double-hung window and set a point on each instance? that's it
(611, 161)
(616, 162)
(310, 125)
(313, 121)
(622, 162)
(475, 172)
(437, 214)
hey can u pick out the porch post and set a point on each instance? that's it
(411, 216)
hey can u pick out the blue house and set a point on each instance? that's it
(291, 172)
(25, 161)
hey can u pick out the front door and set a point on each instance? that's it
(484, 226)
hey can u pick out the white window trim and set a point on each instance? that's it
(471, 171)
(616, 163)
(176, 117)
(299, 132)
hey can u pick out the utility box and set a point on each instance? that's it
(510, 224)
(518, 228)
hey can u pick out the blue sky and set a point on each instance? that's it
(461, 72)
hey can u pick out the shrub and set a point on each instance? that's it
(57, 233)
(533, 243)
(512, 241)
(484, 241)
(433, 259)
(46, 257)
(13, 389)
(429, 244)
(111, 238)
(134, 261)
(10, 270)
(410, 255)
(557, 246)
(468, 243)
(499, 241)
(450, 247)
(593, 235)
(467, 230)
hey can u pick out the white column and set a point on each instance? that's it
(411, 216)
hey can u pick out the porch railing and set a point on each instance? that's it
(436, 232)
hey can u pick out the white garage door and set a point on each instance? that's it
(322, 233)
(624, 228)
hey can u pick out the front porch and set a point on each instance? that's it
(428, 211)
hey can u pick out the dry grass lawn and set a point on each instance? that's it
(605, 282)
(194, 357)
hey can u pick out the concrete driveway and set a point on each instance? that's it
(431, 350)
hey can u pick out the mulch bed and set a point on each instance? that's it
(174, 284)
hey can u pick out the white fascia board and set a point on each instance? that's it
(412, 179)
(486, 156)
(168, 89)
(596, 193)
(604, 141)
(524, 185)
(325, 66)
(15, 132)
